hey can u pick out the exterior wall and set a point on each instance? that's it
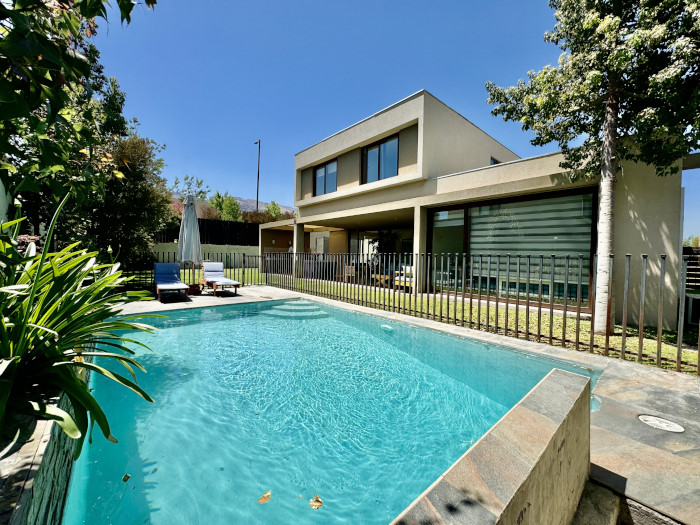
(281, 239)
(349, 169)
(307, 184)
(647, 219)
(452, 144)
(382, 124)
(408, 150)
(530, 468)
(339, 242)
(36, 484)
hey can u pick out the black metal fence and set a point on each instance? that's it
(539, 297)
(212, 231)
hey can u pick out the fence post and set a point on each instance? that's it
(681, 312)
(642, 293)
(625, 295)
(243, 278)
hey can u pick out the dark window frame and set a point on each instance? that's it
(583, 190)
(377, 144)
(313, 176)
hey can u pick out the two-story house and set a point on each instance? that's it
(439, 184)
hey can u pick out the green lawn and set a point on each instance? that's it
(444, 310)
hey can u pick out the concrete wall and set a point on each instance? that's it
(349, 169)
(529, 469)
(34, 488)
(648, 219)
(452, 144)
(339, 242)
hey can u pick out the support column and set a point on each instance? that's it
(298, 244)
(420, 237)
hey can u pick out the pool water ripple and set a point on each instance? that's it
(247, 402)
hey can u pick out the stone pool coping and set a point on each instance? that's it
(530, 467)
(656, 468)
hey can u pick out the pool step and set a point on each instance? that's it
(287, 311)
(294, 307)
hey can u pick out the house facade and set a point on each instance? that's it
(424, 176)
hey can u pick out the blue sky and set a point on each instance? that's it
(208, 79)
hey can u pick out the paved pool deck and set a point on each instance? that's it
(657, 468)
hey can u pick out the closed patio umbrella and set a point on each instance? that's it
(189, 248)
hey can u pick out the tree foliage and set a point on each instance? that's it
(228, 206)
(642, 55)
(190, 185)
(134, 207)
(47, 65)
(274, 210)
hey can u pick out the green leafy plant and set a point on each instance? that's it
(58, 313)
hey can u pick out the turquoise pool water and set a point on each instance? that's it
(298, 398)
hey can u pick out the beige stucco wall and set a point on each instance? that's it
(338, 242)
(648, 219)
(306, 186)
(349, 169)
(452, 144)
(408, 150)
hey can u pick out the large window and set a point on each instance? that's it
(554, 225)
(381, 160)
(326, 178)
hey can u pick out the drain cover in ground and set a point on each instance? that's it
(661, 424)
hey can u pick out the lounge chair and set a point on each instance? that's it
(404, 278)
(167, 278)
(213, 276)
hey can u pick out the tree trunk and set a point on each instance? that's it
(605, 216)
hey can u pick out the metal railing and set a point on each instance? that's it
(544, 298)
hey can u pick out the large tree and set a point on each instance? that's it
(626, 88)
(48, 73)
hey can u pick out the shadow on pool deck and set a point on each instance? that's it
(657, 468)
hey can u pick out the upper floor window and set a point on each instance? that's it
(381, 160)
(326, 178)
(494, 161)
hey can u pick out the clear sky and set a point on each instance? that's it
(210, 78)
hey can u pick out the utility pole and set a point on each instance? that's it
(257, 193)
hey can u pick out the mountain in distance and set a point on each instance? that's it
(249, 205)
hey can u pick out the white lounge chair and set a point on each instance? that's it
(213, 276)
(167, 278)
(404, 277)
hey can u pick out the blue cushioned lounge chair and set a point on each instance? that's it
(167, 277)
(213, 276)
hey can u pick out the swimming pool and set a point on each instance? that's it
(298, 398)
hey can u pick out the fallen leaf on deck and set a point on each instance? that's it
(265, 497)
(316, 503)
(126, 478)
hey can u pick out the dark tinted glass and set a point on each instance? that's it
(331, 177)
(389, 157)
(372, 164)
(320, 180)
